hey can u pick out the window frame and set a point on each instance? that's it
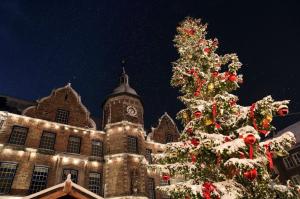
(289, 164)
(70, 169)
(296, 158)
(102, 148)
(296, 179)
(13, 177)
(136, 151)
(148, 155)
(12, 131)
(100, 183)
(62, 120)
(31, 181)
(152, 180)
(44, 132)
(68, 146)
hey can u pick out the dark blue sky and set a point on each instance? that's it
(45, 44)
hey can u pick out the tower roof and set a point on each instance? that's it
(124, 87)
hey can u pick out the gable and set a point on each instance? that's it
(66, 99)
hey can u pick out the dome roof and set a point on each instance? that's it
(124, 87)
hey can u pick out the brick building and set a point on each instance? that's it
(289, 167)
(56, 136)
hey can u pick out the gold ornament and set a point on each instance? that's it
(269, 117)
(207, 122)
(210, 86)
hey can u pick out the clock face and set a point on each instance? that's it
(131, 111)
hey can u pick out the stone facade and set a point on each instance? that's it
(118, 152)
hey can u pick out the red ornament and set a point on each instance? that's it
(193, 158)
(192, 71)
(165, 177)
(251, 174)
(190, 31)
(232, 102)
(207, 50)
(195, 142)
(232, 78)
(207, 189)
(283, 112)
(197, 93)
(190, 131)
(227, 139)
(215, 74)
(197, 114)
(250, 139)
(217, 125)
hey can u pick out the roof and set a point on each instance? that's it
(67, 188)
(124, 86)
(294, 128)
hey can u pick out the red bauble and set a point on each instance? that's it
(283, 112)
(227, 139)
(189, 131)
(197, 93)
(215, 74)
(165, 177)
(232, 78)
(251, 174)
(192, 71)
(193, 158)
(207, 50)
(197, 114)
(250, 139)
(195, 142)
(190, 31)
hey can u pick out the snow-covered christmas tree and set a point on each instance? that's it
(220, 153)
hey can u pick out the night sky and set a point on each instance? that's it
(46, 44)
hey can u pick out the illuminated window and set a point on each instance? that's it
(95, 183)
(73, 172)
(62, 116)
(18, 135)
(47, 140)
(132, 145)
(7, 174)
(148, 155)
(296, 158)
(169, 138)
(74, 144)
(39, 179)
(151, 188)
(288, 162)
(97, 148)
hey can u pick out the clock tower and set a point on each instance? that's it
(123, 104)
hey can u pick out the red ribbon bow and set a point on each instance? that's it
(214, 114)
(269, 155)
(207, 188)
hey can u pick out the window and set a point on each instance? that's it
(97, 148)
(39, 179)
(18, 135)
(7, 174)
(1, 123)
(95, 183)
(148, 155)
(62, 116)
(74, 144)
(151, 188)
(132, 145)
(296, 179)
(288, 162)
(47, 140)
(296, 158)
(73, 172)
(169, 138)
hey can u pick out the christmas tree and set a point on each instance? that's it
(220, 153)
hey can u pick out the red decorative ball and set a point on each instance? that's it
(195, 142)
(283, 112)
(215, 74)
(207, 50)
(197, 114)
(192, 71)
(197, 93)
(251, 174)
(250, 139)
(165, 177)
(232, 78)
(227, 139)
(193, 158)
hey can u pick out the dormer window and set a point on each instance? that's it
(62, 116)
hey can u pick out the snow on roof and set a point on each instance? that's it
(295, 129)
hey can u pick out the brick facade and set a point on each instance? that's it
(122, 172)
